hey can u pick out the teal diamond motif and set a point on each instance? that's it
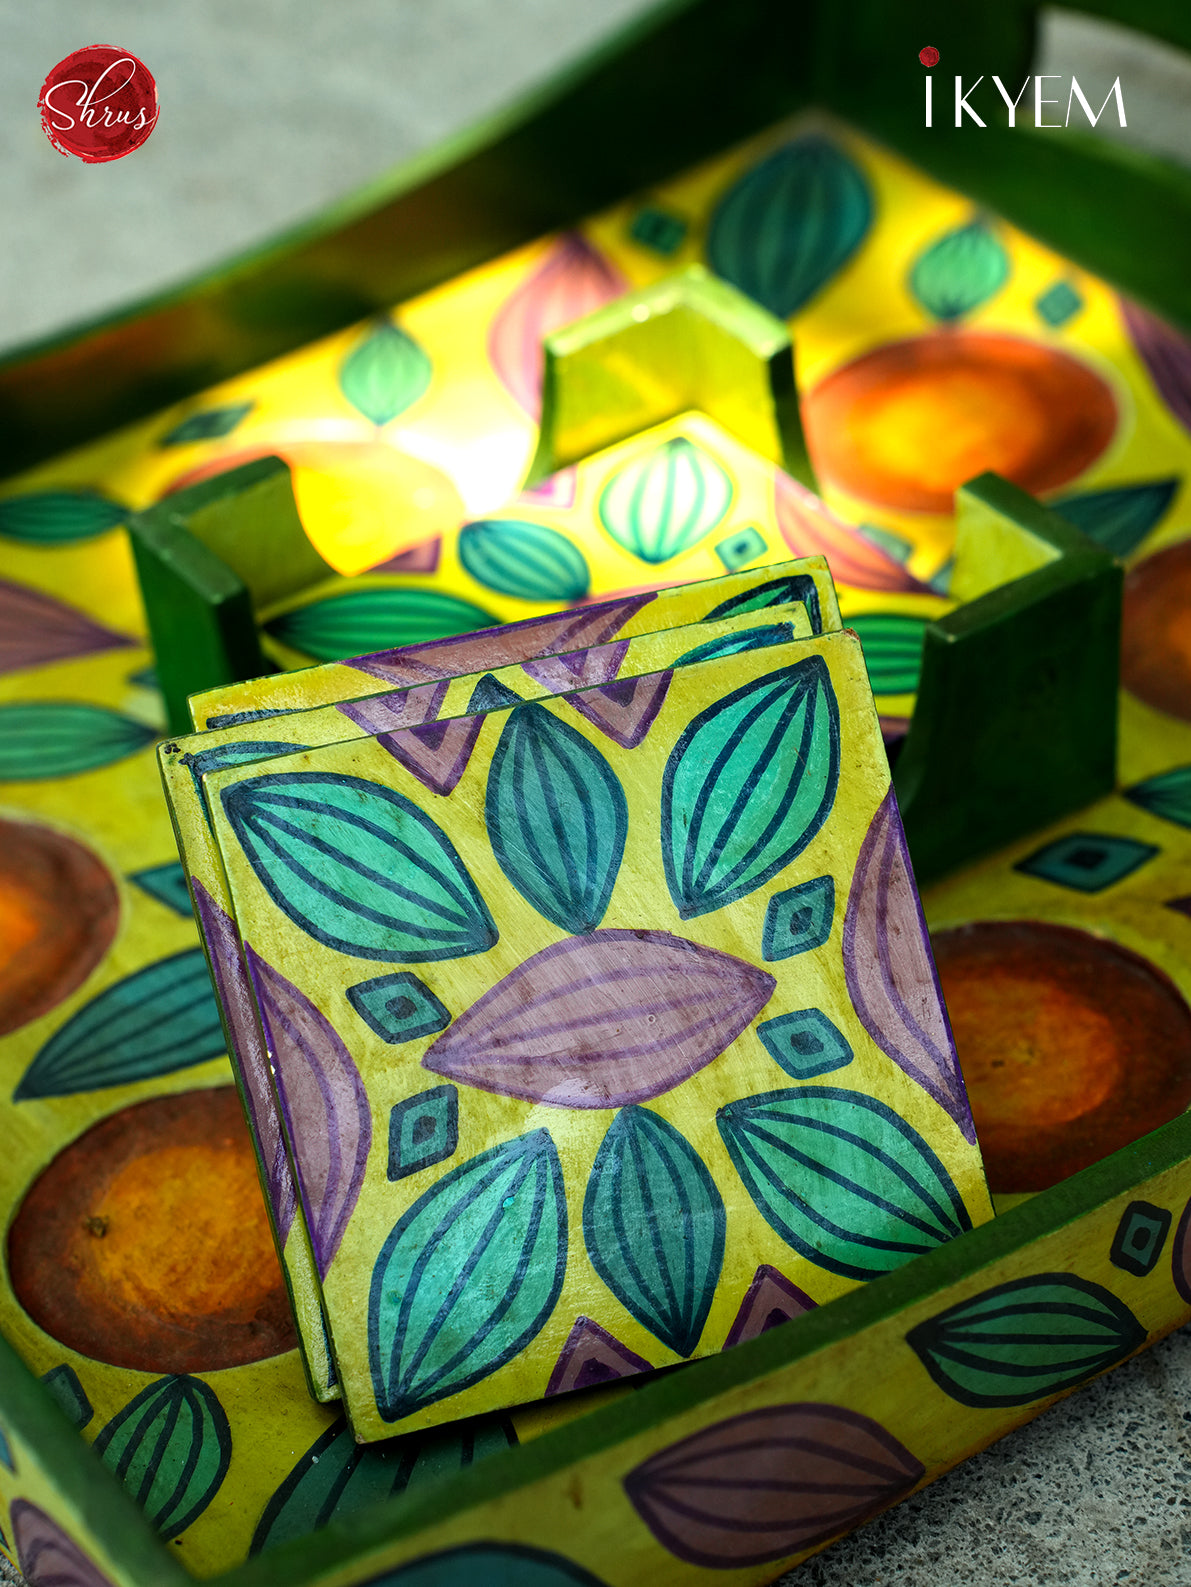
(658, 229)
(744, 546)
(1088, 862)
(1058, 303)
(398, 1007)
(423, 1130)
(165, 883)
(798, 919)
(805, 1044)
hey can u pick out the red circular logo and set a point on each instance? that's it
(100, 103)
(929, 56)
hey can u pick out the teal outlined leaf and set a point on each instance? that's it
(842, 1178)
(665, 501)
(748, 785)
(790, 223)
(489, 1565)
(1168, 795)
(1019, 1342)
(892, 644)
(208, 424)
(362, 621)
(385, 373)
(959, 271)
(158, 1020)
(57, 517)
(557, 818)
(654, 1224)
(41, 739)
(1119, 519)
(469, 1276)
(359, 867)
(527, 560)
(170, 1447)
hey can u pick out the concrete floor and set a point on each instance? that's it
(270, 111)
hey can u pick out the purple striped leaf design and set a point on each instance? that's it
(578, 669)
(890, 972)
(573, 281)
(35, 629)
(436, 753)
(386, 713)
(234, 991)
(323, 1102)
(1166, 353)
(624, 710)
(46, 1555)
(769, 1483)
(603, 1020)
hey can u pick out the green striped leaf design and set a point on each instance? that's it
(56, 517)
(557, 818)
(1168, 795)
(469, 1276)
(842, 1178)
(153, 1022)
(665, 501)
(759, 638)
(362, 621)
(220, 756)
(654, 1225)
(1119, 519)
(790, 223)
(60, 738)
(359, 867)
(336, 1476)
(490, 1565)
(892, 644)
(959, 271)
(1021, 1341)
(385, 373)
(776, 592)
(209, 424)
(747, 786)
(527, 560)
(170, 1447)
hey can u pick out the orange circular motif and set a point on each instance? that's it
(146, 1244)
(1071, 1046)
(1156, 636)
(58, 914)
(905, 425)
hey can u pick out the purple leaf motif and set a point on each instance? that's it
(47, 1557)
(890, 972)
(234, 991)
(603, 1020)
(385, 713)
(324, 1104)
(574, 280)
(769, 1483)
(35, 629)
(503, 647)
(1166, 353)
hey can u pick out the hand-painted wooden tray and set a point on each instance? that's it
(539, 1169)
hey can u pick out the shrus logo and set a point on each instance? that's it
(99, 104)
(1042, 100)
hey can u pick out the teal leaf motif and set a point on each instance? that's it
(170, 1447)
(362, 621)
(1019, 1342)
(526, 560)
(748, 785)
(153, 1022)
(1119, 519)
(1167, 795)
(759, 638)
(790, 223)
(489, 1565)
(892, 645)
(557, 818)
(359, 867)
(654, 1224)
(61, 738)
(798, 587)
(959, 271)
(57, 517)
(336, 1476)
(209, 424)
(665, 501)
(842, 1178)
(385, 373)
(220, 756)
(469, 1275)
(167, 884)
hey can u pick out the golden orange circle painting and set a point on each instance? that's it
(906, 424)
(1156, 632)
(145, 1243)
(1071, 1046)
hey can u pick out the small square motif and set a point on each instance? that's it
(658, 229)
(737, 549)
(798, 919)
(399, 1007)
(1087, 861)
(423, 1130)
(1058, 303)
(1139, 1239)
(805, 1043)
